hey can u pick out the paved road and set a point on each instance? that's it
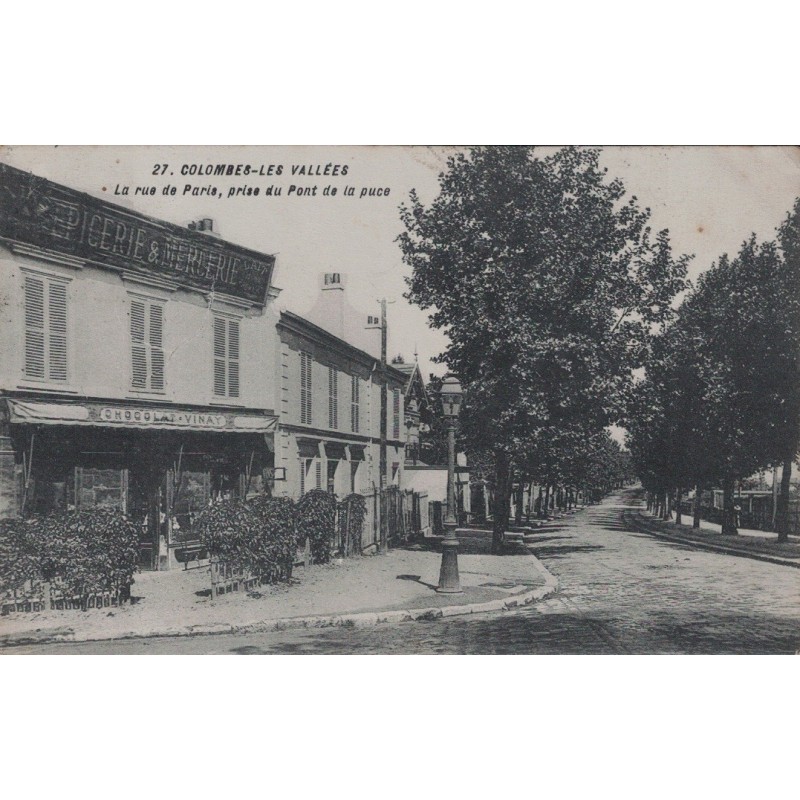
(621, 592)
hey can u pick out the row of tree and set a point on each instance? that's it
(550, 285)
(721, 396)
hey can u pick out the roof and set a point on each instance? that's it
(292, 321)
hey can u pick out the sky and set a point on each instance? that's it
(710, 198)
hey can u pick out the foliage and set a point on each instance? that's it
(18, 557)
(316, 519)
(225, 530)
(548, 282)
(721, 397)
(273, 549)
(352, 511)
(84, 553)
(258, 537)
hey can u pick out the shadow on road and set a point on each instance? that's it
(559, 551)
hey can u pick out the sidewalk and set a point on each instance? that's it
(760, 545)
(398, 586)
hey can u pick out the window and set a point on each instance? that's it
(45, 328)
(333, 398)
(396, 414)
(354, 403)
(305, 388)
(226, 357)
(147, 346)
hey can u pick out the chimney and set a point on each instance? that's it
(373, 335)
(205, 225)
(331, 307)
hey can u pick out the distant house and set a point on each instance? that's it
(417, 407)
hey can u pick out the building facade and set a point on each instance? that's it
(329, 411)
(137, 366)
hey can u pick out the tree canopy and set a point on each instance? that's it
(548, 281)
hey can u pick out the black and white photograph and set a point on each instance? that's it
(399, 400)
(306, 349)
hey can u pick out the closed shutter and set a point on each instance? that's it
(396, 414)
(147, 345)
(34, 327)
(302, 477)
(45, 329)
(305, 388)
(58, 332)
(138, 346)
(233, 358)
(318, 466)
(156, 347)
(226, 357)
(333, 398)
(220, 347)
(354, 403)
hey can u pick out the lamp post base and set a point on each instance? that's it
(449, 582)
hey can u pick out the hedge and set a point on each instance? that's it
(316, 519)
(81, 554)
(258, 536)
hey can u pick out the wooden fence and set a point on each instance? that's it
(394, 516)
(759, 520)
(44, 596)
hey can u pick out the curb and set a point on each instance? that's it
(640, 523)
(357, 620)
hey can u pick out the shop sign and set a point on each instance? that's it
(38, 212)
(157, 417)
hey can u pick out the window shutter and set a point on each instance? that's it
(34, 327)
(58, 332)
(219, 356)
(233, 358)
(396, 414)
(319, 474)
(302, 476)
(138, 347)
(354, 403)
(333, 398)
(156, 347)
(305, 388)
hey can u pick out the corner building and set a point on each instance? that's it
(137, 364)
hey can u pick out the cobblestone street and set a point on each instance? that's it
(620, 592)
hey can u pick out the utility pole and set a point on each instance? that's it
(384, 482)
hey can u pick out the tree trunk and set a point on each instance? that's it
(698, 497)
(678, 507)
(782, 517)
(728, 512)
(546, 508)
(501, 493)
(665, 510)
(518, 501)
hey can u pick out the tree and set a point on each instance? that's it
(720, 400)
(788, 308)
(548, 282)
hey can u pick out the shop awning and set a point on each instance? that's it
(308, 448)
(335, 450)
(139, 417)
(357, 452)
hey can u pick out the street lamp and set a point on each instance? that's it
(448, 575)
